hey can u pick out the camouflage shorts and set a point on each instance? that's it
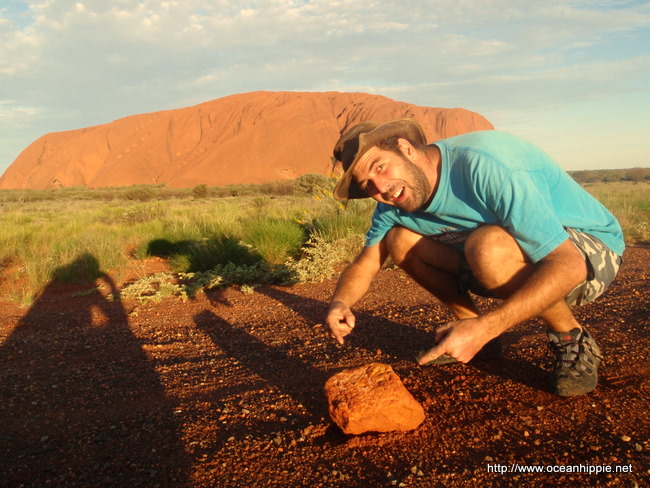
(602, 267)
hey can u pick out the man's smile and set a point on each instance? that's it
(398, 193)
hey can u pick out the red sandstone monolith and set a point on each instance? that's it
(371, 398)
(254, 137)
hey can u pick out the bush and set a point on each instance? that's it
(201, 191)
(140, 194)
(313, 184)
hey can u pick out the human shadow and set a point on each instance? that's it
(404, 342)
(373, 331)
(81, 404)
(271, 364)
(298, 379)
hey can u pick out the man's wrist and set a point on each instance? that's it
(337, 303)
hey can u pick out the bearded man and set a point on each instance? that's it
(484, 213)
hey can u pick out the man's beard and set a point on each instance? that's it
(418, 185)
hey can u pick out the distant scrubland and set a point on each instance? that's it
(283, 232)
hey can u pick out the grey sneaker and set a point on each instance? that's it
(491, 350)
(577, 357)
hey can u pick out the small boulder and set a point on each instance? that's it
(371, 398)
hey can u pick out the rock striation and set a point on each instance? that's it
(371, 398)
(246, 138)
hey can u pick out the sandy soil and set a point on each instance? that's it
(227, 391)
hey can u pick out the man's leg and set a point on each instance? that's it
(500, 265)
(434, 266)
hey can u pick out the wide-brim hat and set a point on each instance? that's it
(355, 142)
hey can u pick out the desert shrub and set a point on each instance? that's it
(142, 213)
(201, 191)
(278, 188)
(188, 285)
(140, 193)
(154, 288)
(275, 240)
(313, 184)
(321, 259)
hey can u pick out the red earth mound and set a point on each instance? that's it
(247, 138)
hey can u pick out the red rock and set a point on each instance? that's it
(371, 398)
(247, 138)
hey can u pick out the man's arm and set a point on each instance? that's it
(351, 287)
(550, 281)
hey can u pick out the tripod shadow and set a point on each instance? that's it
(270, 363)
(298, 379)
(372, 332)
(403, 342)
(81, 403)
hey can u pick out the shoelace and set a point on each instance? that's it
(565, 353)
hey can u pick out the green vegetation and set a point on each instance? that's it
(611, 175)
(71, 235)
(245, 235)
(630, 204)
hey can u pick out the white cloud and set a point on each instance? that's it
(91, 61)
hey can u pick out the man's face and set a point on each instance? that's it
(393, 179)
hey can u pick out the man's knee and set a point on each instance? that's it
(400, 243)
(496, 260)
(415, 253)
(491, 245)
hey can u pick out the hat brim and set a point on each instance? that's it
(409, 129)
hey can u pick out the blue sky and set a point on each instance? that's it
(570, 76)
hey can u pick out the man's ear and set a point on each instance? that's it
(406, 147)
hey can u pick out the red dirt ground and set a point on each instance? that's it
(227, 391)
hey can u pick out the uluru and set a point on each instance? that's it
(255, 137)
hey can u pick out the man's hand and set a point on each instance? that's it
(340, 320)
(460, 339)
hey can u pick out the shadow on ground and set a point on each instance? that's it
(73, 411)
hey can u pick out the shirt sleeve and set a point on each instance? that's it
(522, 203)
(382, 221)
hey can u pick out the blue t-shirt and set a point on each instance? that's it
(491, 177)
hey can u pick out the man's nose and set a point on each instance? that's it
(378, 186)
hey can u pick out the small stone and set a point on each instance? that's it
(489, 459)
(626, 438)
(638, 447)
(371, 398)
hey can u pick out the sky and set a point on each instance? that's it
(572, 76)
